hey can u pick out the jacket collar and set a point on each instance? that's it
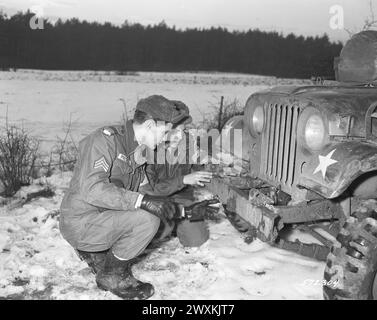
(131, 145)
(129, 137)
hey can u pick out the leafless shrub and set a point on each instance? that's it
(67, 154)
(64, 152)
(221, 114)
(18, 155)
(47, 166)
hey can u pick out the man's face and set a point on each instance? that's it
(156, 133)
(175, 136)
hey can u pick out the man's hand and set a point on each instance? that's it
(161, 207)
(197, 178)
(202, 210)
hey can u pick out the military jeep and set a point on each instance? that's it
(309, 161)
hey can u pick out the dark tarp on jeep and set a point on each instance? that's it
(358, 59)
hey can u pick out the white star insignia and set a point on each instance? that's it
(324, 163)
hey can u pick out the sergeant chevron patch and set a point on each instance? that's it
(101, 163)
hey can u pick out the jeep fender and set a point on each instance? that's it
(330, 172)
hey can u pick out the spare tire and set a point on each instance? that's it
(358, 58)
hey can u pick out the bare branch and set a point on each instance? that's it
(370, 22)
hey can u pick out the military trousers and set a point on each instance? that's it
(126, 233)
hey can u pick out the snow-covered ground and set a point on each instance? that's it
(37, 263)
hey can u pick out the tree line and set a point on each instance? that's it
(80, 45)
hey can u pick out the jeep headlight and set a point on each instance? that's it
(315, 132)
(258, 119)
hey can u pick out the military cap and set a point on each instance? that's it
(186, 118)
(163, 109)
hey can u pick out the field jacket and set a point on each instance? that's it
(106, 176)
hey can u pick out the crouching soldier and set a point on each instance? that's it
(104, 216)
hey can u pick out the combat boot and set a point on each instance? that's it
(95, 260)
(117, 278)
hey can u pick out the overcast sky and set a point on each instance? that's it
(306, 17)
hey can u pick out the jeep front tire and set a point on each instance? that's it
(351, 266)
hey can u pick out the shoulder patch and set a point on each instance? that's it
(122, 157)
(108, 131)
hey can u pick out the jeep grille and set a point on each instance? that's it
(279, 144)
